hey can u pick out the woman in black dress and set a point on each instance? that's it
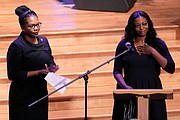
(140, 67)
(29, 59)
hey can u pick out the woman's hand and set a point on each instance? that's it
(126, 87)
(43, 71)
(47, 69)
(54, 68)
(145, 49)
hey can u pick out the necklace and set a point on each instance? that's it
(138, 43)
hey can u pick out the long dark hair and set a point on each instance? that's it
(130, 33)
(23, 12)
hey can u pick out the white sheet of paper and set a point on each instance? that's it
(57, 81)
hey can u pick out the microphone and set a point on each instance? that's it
(128, 45)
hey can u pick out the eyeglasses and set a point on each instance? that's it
(33, 26)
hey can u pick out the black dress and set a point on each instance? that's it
(24, 56)
(141, 72)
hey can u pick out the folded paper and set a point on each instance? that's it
(57, 81)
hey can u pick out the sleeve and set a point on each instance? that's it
(118, 62)
(14, 64)
(170, 66)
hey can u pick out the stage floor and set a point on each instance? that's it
(60, 18)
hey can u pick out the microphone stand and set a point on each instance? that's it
(85, 76)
